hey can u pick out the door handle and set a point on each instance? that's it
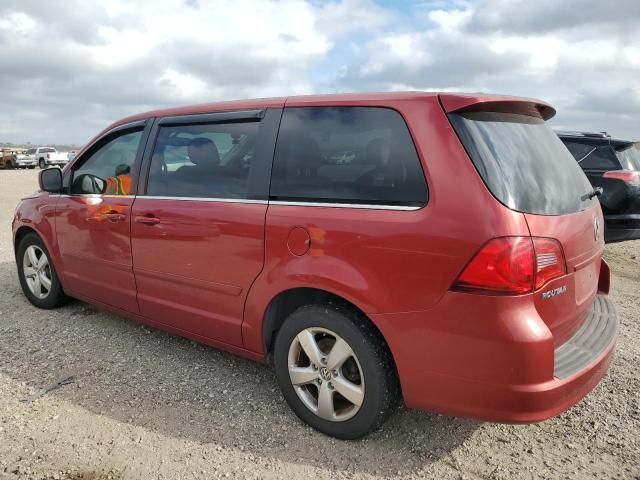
(115, 216)
(147, 219)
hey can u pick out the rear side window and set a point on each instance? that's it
(203, 160)
(523, 162)
(357, 155)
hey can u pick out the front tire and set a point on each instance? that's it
(335, 371)
(38, 277)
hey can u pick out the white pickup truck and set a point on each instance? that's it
(47, 156)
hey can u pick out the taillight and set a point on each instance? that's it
(48, 156)
(503, 266)
(627, 176)
(550, 261)
(512, 266)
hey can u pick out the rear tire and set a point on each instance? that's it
(366, 375)
(41, 164)
(38, 277)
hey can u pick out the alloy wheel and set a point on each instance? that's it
(326, 374)
(37, 271)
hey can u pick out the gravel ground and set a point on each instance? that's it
(145, 404)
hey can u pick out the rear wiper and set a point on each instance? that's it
(596, 192)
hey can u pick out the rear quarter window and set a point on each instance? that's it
(523, 162)
(359, 155)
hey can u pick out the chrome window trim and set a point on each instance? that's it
(286, 203)
(346, 205)
(203, 199)
(96, 195)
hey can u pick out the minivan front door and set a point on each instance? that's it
(198, 230)
(93, 221)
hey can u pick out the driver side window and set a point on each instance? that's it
(109, 169)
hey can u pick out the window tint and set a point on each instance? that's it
(578, 150)
(109, 169)
(602, 158)
(204, 160)
(346, 155)
(629, 156)
(523, 162)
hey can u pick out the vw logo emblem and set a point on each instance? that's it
(325, 373)
(596, 228)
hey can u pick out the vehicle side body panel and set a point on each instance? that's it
(37, 214)
(194, 268)
(94, 236)
(365, 254)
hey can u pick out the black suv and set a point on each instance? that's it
(613, 165)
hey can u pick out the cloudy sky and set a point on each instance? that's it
(69, 68)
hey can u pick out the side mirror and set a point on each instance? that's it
(50, 180)
(87, 183)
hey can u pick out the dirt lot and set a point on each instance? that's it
(149, 405)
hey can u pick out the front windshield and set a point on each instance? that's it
(629, 156)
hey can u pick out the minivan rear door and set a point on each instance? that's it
(527, 168)
(582, 237)
(198, 221)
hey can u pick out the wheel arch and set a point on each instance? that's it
(287, 301)
(22, 232)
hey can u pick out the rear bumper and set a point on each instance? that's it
(575, 368)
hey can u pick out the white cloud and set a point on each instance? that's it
(578, 56)
(69, 68)
(86, 64)
(450, 20)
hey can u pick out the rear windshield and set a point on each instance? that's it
(629, 156)
(523, 162)
(47, 150)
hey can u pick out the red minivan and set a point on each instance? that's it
(440, 248)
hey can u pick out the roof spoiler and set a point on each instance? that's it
(496, 103)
